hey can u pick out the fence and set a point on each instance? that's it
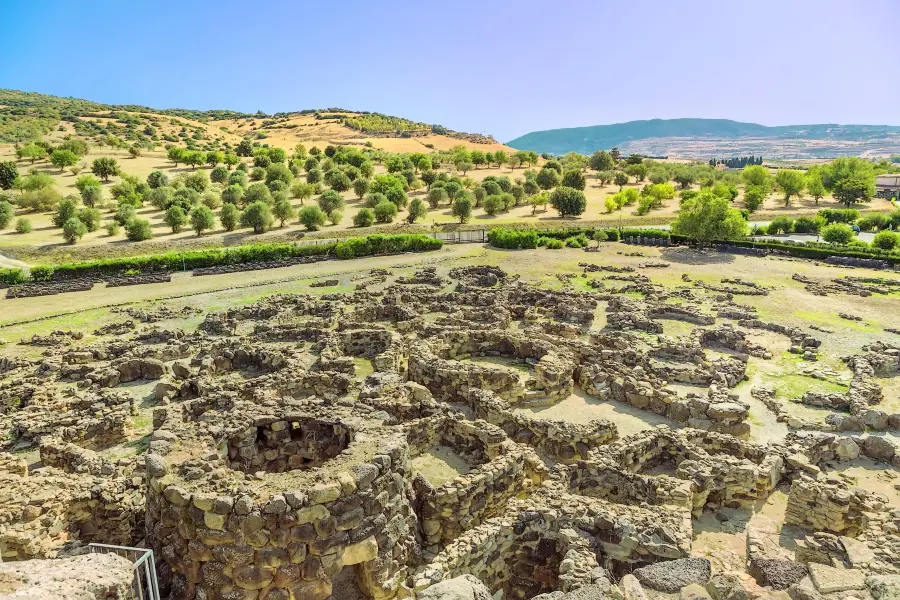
(474, 236)
(143, 585)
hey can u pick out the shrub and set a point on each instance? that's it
(837, 233)
(885, 240)
(417, 210)
(92, 196)
(219, 175)
(576, 241)
(364, 218)
(44, 200)
(138, 230)
(112, 229)
(781, 224)
(73, 230)
(6, 214)
(493, 204)
(808, 224)
(64, 211)
(23, 225)
(839, 215)
(257, 174)
(568, 201)
(202, 219)
(156, 179)
(12, 276)
(385, 211)
(90, 217)
(312, 217)
(512, 239)
(462, 208)
(335, 216)
(554, 244)
(385, 244)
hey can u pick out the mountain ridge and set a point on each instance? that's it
(588, 139)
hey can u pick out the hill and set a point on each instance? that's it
(700, 138)
(25, 116)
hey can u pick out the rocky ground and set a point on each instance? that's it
(556, 425)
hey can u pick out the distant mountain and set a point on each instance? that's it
(671, 135)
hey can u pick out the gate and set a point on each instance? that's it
(143, 584)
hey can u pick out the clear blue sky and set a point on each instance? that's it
(504, 68)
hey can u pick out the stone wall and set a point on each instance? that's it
(825, 504)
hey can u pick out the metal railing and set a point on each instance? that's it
(143, 584)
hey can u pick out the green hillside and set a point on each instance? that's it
(586, 140)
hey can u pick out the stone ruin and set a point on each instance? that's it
(382, 444)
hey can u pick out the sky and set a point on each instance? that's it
(501, 68)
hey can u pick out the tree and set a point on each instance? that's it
(493, 204)
(436, 196)
(73, 230)
(134, 151)
(599, 236)
(156, 179)
(303, 191)
(202, 219)
(138, 230)
(233, 194)
(638, 171)
(283, 211)
(66, 209)
(547, 178)
(175, 218)
(757, 175)
(230, 160)
(176, 155)
(477, 158)
(850, 179)
(258, 192)
(31, 151)
(814, 185)
(573, 178)
(364, 218)
(312, 217)
(63, 158)
(500, 158)
(790, 182)
(837, 233)
(229, 216)
(6, 214)
(105, 167)
(621, 180)
(541, 199)
(360, 187)
(198, 181)
(568, 201)
(754, 196)
(244, 149)
(213, 158)
(258, 216)
(602, 161)
(462, 208)
(685, 177)
(464, 166)
(708, 217)
(330, 201)
(385, 211)
(194, 158)
(417, 210)
(219, 175)
(279, 172)
(9, 172)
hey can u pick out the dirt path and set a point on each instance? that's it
(11, 263)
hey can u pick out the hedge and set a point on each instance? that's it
(385, 244)
(530, 238)
(177, 261)
(661, 234)
(812, 250)
(12, 276)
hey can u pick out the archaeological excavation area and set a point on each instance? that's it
(474, 425)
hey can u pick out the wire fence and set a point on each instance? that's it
(144, 585)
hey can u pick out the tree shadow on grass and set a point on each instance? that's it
(691, 256)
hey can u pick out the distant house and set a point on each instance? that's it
(887, 186)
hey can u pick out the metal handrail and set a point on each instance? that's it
(144, 585)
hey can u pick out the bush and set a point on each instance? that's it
(417, 210)
(90, 217)
(781, 224)
(385, 211)
(885, 240)
(157, 179)
(335, 216)
(202, 219)
(23, 225)
(219, 175)
(837, 233)
(493, 204)
(312, 217)
(331, 200)
(511, 239)
(612, 235)
(364, 218)
(12, 276)
(73, 230)
(138, 230)
(576, 241)
(568, 201)
(839, 215)
(6, 214)
(808, 224)
(554, 244)
(43, 200)
(112, 229)
(124, 213)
